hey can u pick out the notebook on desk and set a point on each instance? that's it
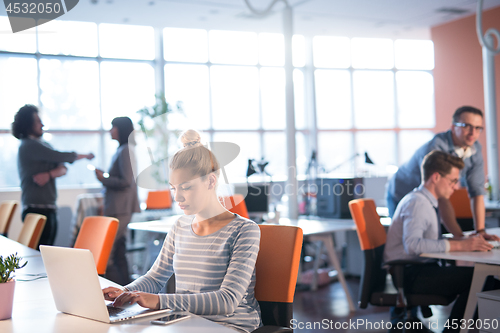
(76, 289)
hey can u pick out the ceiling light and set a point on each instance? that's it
(452, 10)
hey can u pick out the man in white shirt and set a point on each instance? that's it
(415, 229)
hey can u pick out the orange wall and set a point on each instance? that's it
(458, 73)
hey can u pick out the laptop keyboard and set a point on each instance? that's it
(496, 244)
(121, 312)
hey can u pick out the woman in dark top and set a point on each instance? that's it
(120, 197)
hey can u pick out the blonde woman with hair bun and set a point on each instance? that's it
(211, 250)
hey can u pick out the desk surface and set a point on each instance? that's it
(318, 229)
(8, 247)
(492, 205)
(485, 263)
(34, 309)
(309, 226)
(491, 257)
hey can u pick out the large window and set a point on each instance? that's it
(81, 75)
(357, 95)
(373, 96)
(232, 86)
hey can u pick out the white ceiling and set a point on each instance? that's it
(360, 18)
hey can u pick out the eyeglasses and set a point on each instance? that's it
(453, 182)
(469, 127)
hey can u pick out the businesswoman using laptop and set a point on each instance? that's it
(211, 250)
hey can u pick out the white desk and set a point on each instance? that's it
(317, 230)
(9, 246)
(485, 264)
(492, 206)
(34, 310)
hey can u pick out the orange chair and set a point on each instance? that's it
(236, 204)
(97, 234)
(463, 212)
(276, 272)
(374, 288)
(159, 200)
(7, 209)
(461, 204)
(32, 230)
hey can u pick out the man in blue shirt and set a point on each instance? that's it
(415, 230)
(461, 141)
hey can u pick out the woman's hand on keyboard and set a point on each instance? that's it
(111, 293)
(146, 300)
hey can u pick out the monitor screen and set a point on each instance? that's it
(257, 198)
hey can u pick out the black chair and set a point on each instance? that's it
(375, 288)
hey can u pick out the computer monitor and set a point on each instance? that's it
(256, 199)
(333, 196)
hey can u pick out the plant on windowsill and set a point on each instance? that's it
(8, 266)
(154, 124)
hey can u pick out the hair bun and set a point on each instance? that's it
(190, 138)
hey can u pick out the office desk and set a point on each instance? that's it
(320, 231)
(34, 310)
(161, 226)
(316, 230)
(493, 206)
(485, 264)
(9, 246)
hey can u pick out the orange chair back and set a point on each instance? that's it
(159, 200)
(97, 234)
(236, 204)
(7, 209)
(278, 263)
(371, 232)
(461, 204)
(32, 230)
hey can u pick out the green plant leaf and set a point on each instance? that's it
(8, 266)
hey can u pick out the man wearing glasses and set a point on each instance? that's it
(415, 230)
(461, 141)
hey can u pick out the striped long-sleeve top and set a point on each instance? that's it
(214, 274)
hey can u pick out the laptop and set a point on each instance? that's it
(76, 288)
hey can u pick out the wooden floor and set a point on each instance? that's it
(326, 310)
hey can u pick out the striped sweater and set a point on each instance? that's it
(214, 274)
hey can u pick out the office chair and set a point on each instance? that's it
(32, 230)
(7, 209)
(159, 200)
(236, 204)
(277, 267)
(97, 234)
(374, 288)
(156, 202)
(463, 212)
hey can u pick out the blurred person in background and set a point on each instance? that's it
(120, 196)
(39, 165)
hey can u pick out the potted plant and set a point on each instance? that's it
(155, 124)
(8, 266)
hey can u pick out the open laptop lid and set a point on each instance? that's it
(76, 287)
(74, 282)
